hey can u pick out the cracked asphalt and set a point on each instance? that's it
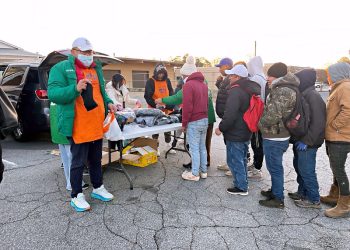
(162, 212)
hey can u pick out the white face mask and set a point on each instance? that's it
(123, 89)
(86, 60)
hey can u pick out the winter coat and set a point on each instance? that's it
(195, 99)
(314, 137)
(177, 100)
(62, 90)
(232, 124)
(222, 96)
(118, 96)
(279, 105)
(338, 104)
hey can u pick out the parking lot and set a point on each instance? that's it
(162, 212)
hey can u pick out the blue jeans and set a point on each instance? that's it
(196, 134)
(237, 162)
(274, 151)
(304, 163)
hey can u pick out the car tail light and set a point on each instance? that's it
(41, 94)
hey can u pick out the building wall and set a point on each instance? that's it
(210, 74)
(128, 67)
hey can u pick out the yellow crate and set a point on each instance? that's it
(146, 150)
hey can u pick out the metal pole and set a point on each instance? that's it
(254, 48)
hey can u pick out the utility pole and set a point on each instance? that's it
(254, 48)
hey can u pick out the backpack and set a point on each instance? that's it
(254, 112)
(297, 123)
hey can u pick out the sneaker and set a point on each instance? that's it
(101, 194)
(79, 203)
(295, 196)
(223, 167)
(255, 174)
(171, 151)
(188, 165)
(267, 193)
(85, 186)
(307, 204)
(203, 175)
(236, 191)
(189, 176)
(272, 203)
(250, 167)
(228, 173)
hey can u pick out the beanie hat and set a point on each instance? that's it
(277, 70)
(189, 67)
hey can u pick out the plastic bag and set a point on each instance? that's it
(111, 129)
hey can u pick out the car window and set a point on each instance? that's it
(13, 75)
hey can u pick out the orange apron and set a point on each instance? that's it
(160, 91)
(88, 125)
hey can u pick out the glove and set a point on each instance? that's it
(300, 146)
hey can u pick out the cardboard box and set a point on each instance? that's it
(141, 152)
(114, 157)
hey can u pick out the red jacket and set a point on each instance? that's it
(195, 99)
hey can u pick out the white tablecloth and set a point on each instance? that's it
(134, 131)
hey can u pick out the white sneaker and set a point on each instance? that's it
(203, 175)
(228, 173)
(223, 167)
(79, 203)
(189, 176)
(255, 174)
(172, 151)
(101, 194)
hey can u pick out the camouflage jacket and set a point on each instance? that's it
(279, 104)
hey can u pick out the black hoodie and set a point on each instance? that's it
(316, 132)
(232, 124)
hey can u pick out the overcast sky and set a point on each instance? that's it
(298, 32)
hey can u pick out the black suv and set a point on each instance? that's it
(26, 86)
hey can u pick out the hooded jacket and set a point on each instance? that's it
(195, 99)
(279, 105)
(151, 86)
(222, 95)
(256, 71)
(316, 131)
(338, 104)
(232, 124)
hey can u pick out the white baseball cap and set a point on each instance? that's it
(82, 44)
(238, 70)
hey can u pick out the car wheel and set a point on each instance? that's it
(19, 134)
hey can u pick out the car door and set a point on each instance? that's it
(12, 82)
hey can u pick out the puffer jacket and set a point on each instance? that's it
(279, 104)
(222, 96)
(338, 104)
(232, 124)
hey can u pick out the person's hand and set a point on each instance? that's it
(300, 146)
(219, 79)
(217, 131)
(113, 108)
(158, 101)
(138, 104)
(82, 84)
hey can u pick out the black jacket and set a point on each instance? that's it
(316, 133)
(221, 98)
(232, 124)
(149, 91)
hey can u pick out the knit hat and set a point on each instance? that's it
(277, 70)
(189, 67)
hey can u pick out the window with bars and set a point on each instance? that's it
(139, 78)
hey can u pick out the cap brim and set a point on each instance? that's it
(218, 65)
(229, 72)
